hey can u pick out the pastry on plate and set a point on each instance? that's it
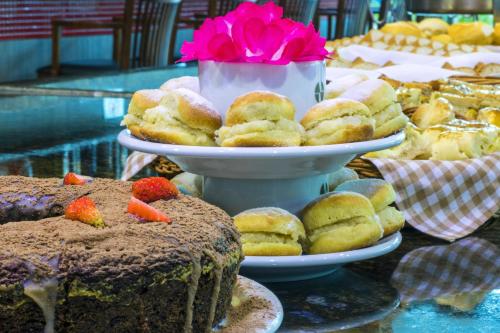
(337, 120)
(381, 195)
(189, 82)
(338, 86)
(340, 221)
(340, 176)
(183, 117)
(261, 119)
(141, 101)
(437, 111)
(270, 231)
(376, 94)
(489, 115)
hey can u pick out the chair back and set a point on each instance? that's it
(149, 34)
(222, 7)
(300, 10)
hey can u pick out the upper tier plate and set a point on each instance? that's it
(260, 162)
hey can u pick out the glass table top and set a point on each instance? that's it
(47, 136)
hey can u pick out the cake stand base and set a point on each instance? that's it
(236, 195)
(240, 178)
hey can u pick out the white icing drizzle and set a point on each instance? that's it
(44, 294)
(192, 289)
(218, 270)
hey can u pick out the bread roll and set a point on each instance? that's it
(270, 231)
(433, 26)
(260, 119)
(183, 117)
(389, 120)
(457, 145)
(404, 28)
(381, 194)
(443, 38)
(437, 111)
(391, 219)
(340, 221)
(477, 33)
(376, 94)
(141, 101)
(337, 120)
(378, 191)
(189, 82)
(340, 176)
(338, 86)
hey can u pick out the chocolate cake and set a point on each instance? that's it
(131, 276)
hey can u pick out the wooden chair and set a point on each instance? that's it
(300, 10)
(140, 37)
(215, 8)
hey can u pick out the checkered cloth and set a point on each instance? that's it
(135, 163)
(467, 266)
(445, 199)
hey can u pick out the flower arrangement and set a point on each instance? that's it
(255, 34)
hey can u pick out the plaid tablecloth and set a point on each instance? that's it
(467, 266)
(445, 199)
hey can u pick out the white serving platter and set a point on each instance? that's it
(304, 267)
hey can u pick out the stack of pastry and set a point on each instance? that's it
(356, 215)
(380, 98)
(270, 231)
(382, 196)
(260, 118)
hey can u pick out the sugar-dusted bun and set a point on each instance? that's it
(489, 115)
(376, 94)
(336, 87)
(391, 219)
(141, 101)
(261, 119)
(378, 191)
(259, 105)
(389, 120)
(340, 221)
(478, 33)
(437, 111)
(183, 117)
(270, 231)
(337, 120)
(404, 28)
(189, 82)
(433, 26)
(341, 176)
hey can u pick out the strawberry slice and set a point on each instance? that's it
(72, 178)
(154, 188)
(146, 212)
(84, 210)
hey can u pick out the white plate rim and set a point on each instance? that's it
(126, 139)
(382, 247)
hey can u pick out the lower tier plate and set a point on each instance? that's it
(304, 267)
(254, 308)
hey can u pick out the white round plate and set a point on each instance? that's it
(256, 319)
(260, 162)
(295, 268)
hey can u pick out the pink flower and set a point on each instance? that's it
(257, 34)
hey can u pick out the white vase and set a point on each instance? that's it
(302, 82)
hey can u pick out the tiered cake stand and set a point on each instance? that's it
(237, 179)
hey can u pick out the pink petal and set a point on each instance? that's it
(221, 48)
